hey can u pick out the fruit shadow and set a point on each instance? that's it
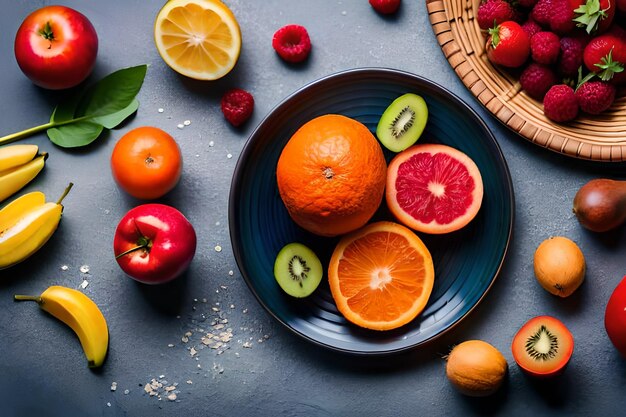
(554, 391)
(168, 298)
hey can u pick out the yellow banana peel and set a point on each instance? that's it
(81, 314)
(19, 165)
(26, 224)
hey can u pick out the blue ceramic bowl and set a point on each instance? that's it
(466, 262)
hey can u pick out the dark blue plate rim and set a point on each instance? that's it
(247, 153)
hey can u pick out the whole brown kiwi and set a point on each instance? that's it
(600, 204)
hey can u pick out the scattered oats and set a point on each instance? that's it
(187, 122)
(217, 223)
(84, 269)
(224, 321)
(170, 388)
(199, 366)
(126, 391)
(163, 376)
(108, 404)
(170, 345)
(189, 381)
(188, 334)
(237, 354)
(247, 345)
(184, 339)
(84, 284)
(218, 248)
(193, 352)
(229, 156)
(113, 386)
(148, 388)
(219, 326)
(64, 267)
(245, 310)
(231, 272)
(160, 110)
(204, 300)
(195, 300)
(232, 306)
(206, 341)
(224, 287)
(219, 352)
(211, 143)
(215, 309)
(180, 126)
(260, 341)
(266, 336)
(171, 397)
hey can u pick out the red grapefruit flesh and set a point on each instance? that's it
(434, 188)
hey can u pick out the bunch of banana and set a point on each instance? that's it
(80, 313)
(19, 164)
(26, 224)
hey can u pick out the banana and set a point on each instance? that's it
(26, 224)
(81, 314)
(19, 164)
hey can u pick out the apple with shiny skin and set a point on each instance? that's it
(56, 47)
(154, 243)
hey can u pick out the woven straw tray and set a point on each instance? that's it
(599, 138)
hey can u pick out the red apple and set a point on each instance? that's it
(154, 243)
(56, 47)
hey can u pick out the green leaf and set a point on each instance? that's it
(111, 121)
(113, 93)
(65, 110)
(75, 134)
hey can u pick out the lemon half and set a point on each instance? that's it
(200, 39)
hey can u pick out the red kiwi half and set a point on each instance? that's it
(543, 346)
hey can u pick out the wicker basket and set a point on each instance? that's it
(600, 138)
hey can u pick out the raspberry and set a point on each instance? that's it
(385, 6)
(545, 47)
(571, 56)
(531, 27)
(561, 19)
(594, 97)
(541, 12)
(237, 106)
(292, 43)
(536, 80)
(529, 4)
(560, 103)
(493, 12)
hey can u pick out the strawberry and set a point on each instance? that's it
(560, 103)
(595, 16)
(594, 97)
(508, 45)
(605, 55)
(237, 106)
(494, 12)
(292, 43)
(385, 6)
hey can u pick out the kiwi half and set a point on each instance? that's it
(543, 346)
(403, 122)
(297, 270)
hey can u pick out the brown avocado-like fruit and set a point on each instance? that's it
(600, 204)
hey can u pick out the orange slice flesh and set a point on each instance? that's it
(200, 39)
(381, 276)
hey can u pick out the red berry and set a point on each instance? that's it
(536, 80)
(561, 19)
(594, 97)
(385, 6)
(508, 45)
(545, 47)
(606, 56)
(560, 103)
(529, 4)
(292, 43)
(541, 12)
(571, 57)
(531, 27)
(237, 106)
(494, 12)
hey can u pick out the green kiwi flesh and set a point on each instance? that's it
(403, 122)
(297, 270)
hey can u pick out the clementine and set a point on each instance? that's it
(331, 175)
(381, 276)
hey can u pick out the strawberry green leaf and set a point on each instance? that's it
(589, 15)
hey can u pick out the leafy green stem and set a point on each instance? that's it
(31, 131)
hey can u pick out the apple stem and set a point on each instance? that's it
(142, 243)
(34, 298)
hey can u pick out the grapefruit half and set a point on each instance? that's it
(433, 188)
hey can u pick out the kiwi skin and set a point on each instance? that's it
(297, 270)
(403, 122)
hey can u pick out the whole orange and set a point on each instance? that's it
(331, 175)
(146, 162)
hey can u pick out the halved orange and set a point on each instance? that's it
(381, 276)
(200, 39)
